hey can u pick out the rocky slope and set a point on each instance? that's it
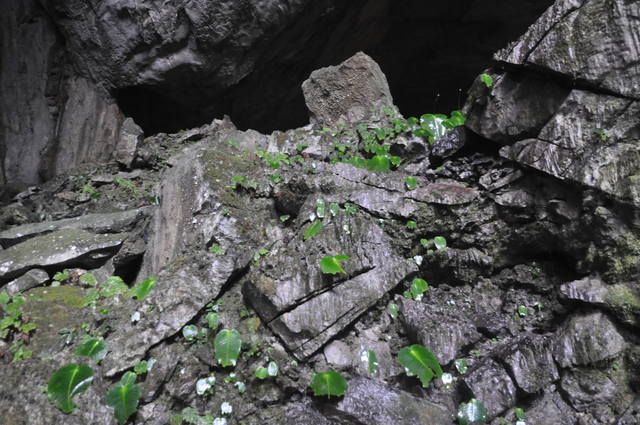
(536, 290)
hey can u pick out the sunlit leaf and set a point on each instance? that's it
(67, 382)
(329, 383)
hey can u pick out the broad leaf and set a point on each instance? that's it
(227, 347)
(124, 398)
(393, 310)
(190, 332)
(142, 289)
(411, 182)
(331, 264)
(378, 163)
(473, 411)
(312, 230)
(261, 373)
(67, 382)
(94, 348)
(213, 320)
(419, 287)
(113, 286)
(420, 362)
(329, 383)
(4, 298)
(440, 242)
(88, 279)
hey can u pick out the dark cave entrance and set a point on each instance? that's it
(430, 54)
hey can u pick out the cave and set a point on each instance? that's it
(429, 52)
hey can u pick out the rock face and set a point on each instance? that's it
(531, 303)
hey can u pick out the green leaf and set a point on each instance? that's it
(213, 320)
(227, 347)
(67, 382)
(372, 361)
(124, 398)
(411, 182)
(420, 362)
(261, 373)
(4, 298)
(284, 218)
(486, 79)
(312, 230)
(272, 368)
(28, 327)
(418, 287)
(523, 311)
(519, 414)
(142, 289)
(61, 276)
(190, 332)
(393, 310)
(141, 367)
(217, 249)
(320, 208)
(424, 242)
(378, 163)
(461, 366)
(328, 383)
(88, 279)
(440, 242)
(412, 225)
(331, 264)
(113, 286)
(95, 348)
(473, 411)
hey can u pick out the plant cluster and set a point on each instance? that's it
(15, 327)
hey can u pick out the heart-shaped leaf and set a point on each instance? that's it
(94, 348)
(329, 383)
(66, 382)
(440, 242)
(473, 411)
(227, 347)
(142, 289)
(420, 362)
(331, 264)
(124, 398)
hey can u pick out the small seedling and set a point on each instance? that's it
(420, 362)
(332, 264)
(329, 384)
(486, 79)
(412, 225)
(217, 249)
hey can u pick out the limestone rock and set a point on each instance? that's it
(31, 279)
(491, 384)
(346, 93)
(373, 403)
(64, 248)
(531, 363)
(587, 339)
(130, 137)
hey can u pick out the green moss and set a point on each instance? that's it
(620, 296)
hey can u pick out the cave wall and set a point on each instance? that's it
(82, 66)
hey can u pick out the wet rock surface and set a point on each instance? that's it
(531, 262)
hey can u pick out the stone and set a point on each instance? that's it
(31, 279)
(373, 403)
(456, 266)
(491, 384)
(442, 329)
(588, 141)
(563, 41)
(346, 93)
(63, 248)
(517, 106)
(131, 136)
(531, 363)
(587, 388)
(304, 413)
(444, 194)
(338, 354)
(550, 409)
(115, 222)
(587, 339)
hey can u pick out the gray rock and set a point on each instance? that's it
(531, 363)
(587, 339)
(64, 248)
(563, 40)
(516, 107)
(306, 308)
(131, 136)
(346, 93)
(631, 415)
(338, 354)
(588, 142)
(444, 193)
(372, 403)
(452, 142)
(589, 290)
(97, 223)
(588, 388)
(440, 328)
(31, 279)
(550, 409)
(491, 384)
(454, 265)
(304, 413)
